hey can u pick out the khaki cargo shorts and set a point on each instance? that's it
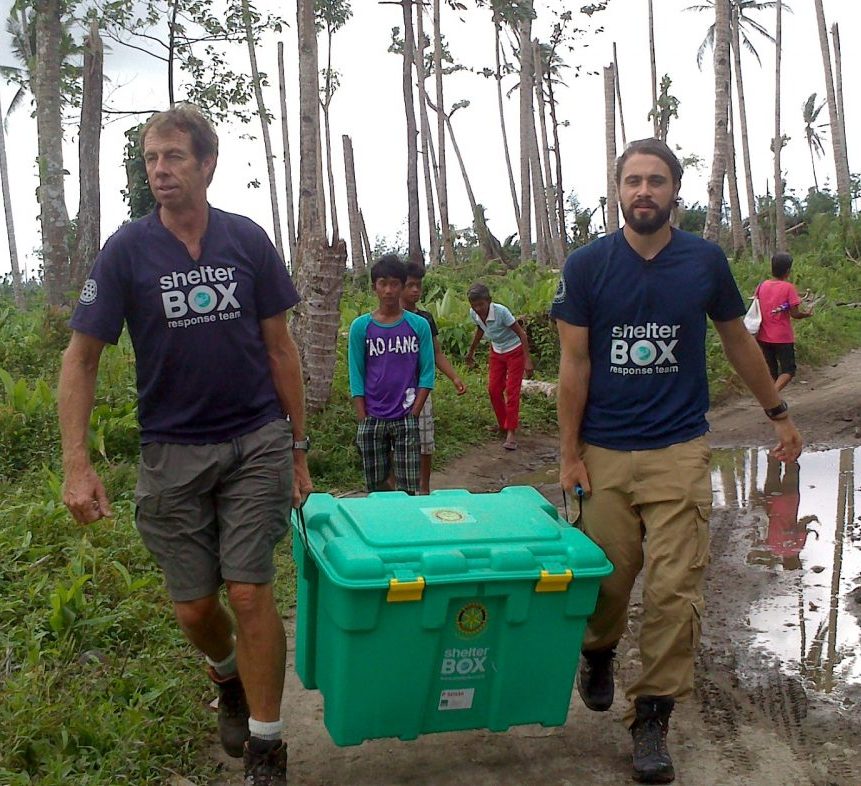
(214, 513)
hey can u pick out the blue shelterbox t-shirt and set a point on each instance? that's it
(203, 373)
(647, 332)
(389, 362)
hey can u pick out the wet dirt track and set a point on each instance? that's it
(763, 713)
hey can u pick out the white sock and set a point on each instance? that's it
(226, 667)
(266, 730)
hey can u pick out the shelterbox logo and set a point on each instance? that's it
(193, 297)
(638, 350)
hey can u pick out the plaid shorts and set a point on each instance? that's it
(426, 428)
(390, 444)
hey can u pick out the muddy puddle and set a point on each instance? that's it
(800, 528)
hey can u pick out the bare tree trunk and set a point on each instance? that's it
(321, 191)
(490, 246)
(288, 165)
(736, 224)
(17, 288)
(840, 164)
(753, 216)
(426, 137)
(89, 224)
(320, 266)
(53, 216)
(779, 215)
(527, 121)
(369, 253)
(556, 249)
(838, 77)
(619, 98)
(356, 254)
(414, 242)
(328, 132)
(497, 24)
(654, 70)
(263, 114)
(611, 219)
(719, 164)
(442, 173)
(560, 192)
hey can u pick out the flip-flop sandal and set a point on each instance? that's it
(509, 445)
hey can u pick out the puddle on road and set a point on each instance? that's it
(804, 526)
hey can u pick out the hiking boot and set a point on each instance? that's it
(652, 762)
(265, 768)
(232, 713)
(595, 679)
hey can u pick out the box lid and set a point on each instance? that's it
(448, 536)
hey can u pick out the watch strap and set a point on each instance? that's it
(774, 413)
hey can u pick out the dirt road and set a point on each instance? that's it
(749, 723)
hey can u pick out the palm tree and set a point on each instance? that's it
(654, 69)
(17, 288)
(611, 216)
(778, 141)
(742, 27)
(840, 162)
(319, 266)
(719, 162)
(442, 175)
(813, 131)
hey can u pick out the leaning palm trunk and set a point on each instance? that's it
(426, 136)
(557, 154)
(619, 98)
(442, 174)
(611, 218)
(840, 163)
(288, 166)
(53, 215)
(88, 230)
(753, 216)
(17, 288)
(497, 25)
(327, 103)
(526, 122)
(264, 127)
(838, 87)
(356, 252)
(735, 220)
(320, 265)
(721, 118)
(414, 242)
(557, 252)
(779, 215)
(654, 67)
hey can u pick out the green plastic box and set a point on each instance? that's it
(443, 612)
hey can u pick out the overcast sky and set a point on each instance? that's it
(369, 107)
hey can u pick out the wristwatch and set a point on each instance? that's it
(775, 412)
(302, 444)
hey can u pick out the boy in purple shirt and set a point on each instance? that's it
(391, 362)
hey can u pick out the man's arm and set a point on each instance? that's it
(83, 492)
(287, 377)
(574, 370)
(796, 312)
(746, 358)
(444, 365)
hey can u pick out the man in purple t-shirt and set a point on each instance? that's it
(391, 359)
(221, 407)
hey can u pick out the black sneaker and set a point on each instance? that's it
(595, 679)
(232, 713)
(267, 767)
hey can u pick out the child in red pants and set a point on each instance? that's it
(509, 358)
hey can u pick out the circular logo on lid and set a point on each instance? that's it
(471, 619)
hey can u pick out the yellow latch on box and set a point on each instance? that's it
(404, 591)
(554, 582)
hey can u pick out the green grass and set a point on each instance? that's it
(98, 686)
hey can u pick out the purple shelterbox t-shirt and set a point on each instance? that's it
(203, 373)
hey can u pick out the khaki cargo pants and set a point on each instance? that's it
(651, 507)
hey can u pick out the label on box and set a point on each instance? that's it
(448, 515)
(456, 699)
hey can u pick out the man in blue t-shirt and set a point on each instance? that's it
(391, 360)
(631, 310)
(221, 408)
